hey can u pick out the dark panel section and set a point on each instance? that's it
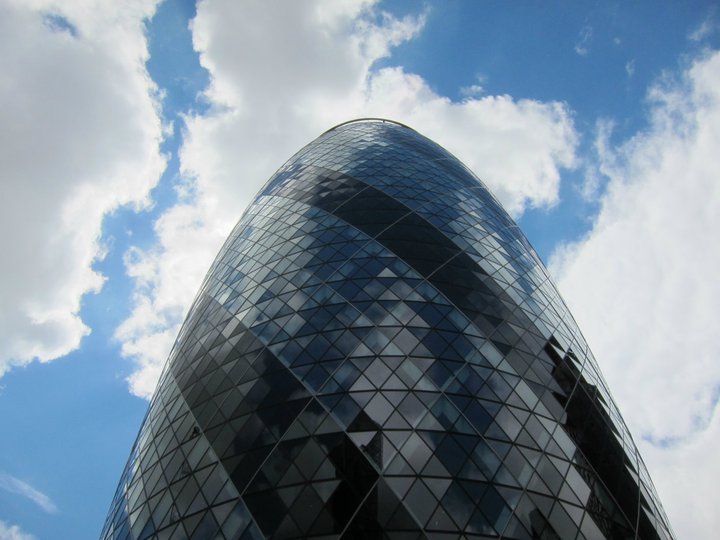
(242, 396)
(381, 515)
(593, 432)
(313, 481)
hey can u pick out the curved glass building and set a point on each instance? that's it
(377, 352)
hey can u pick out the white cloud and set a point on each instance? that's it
(282, 76)
(582, 47)
(13, 532)
(703, 30)
(516, 147)
(79, 137)
(630, 67)
(476, 89)
(686, 476)
(472, 90)
(643, 286)
(19, 487)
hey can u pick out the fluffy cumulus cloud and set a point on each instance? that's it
(643, 285)
(13, 532)
(281, 74)
(516, 147)
(79, 136)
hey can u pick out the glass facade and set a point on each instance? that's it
(377, 352)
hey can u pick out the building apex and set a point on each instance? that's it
(368, 120)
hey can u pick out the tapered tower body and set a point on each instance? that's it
(377, 352)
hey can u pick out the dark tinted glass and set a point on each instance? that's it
(377, 352)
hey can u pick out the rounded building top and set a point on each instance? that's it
(368, 120)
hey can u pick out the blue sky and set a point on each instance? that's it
(134, 134)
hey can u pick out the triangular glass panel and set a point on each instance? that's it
(398, 466)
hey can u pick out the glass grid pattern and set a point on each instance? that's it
(377, 352)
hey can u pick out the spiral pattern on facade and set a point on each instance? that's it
(377, 352)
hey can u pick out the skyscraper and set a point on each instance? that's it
(377, 352)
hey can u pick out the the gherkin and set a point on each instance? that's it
(377, 352)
